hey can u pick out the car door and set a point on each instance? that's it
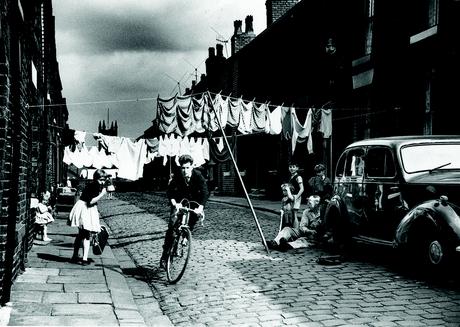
(349, 186)
(379, 184)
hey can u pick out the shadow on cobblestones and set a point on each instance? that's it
(231, 280)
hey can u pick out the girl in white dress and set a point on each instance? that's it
(85, 215)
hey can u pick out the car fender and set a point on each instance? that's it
(438, 214)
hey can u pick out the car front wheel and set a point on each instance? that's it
(435, 255)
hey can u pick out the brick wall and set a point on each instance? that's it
(277, 8)
(28, 145)
(5, 159)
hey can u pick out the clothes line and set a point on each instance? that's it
(187, 115)
(89, 102)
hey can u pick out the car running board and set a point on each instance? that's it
(373, 241)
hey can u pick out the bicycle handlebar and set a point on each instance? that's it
(188, 209)
(188, 202)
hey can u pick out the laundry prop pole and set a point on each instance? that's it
(239, 175)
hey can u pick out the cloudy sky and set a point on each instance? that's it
(111, 53)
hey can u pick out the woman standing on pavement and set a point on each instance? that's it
(85, 215)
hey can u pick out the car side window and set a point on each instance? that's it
(379, 162)
(354, 165)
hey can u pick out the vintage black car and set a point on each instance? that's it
(402, 192)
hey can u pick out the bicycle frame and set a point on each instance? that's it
(180, 250)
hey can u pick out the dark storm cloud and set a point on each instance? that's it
(167, 29)
(122, 34)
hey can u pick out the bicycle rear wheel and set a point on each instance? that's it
(178, 256)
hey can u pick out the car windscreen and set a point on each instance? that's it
(430, 157)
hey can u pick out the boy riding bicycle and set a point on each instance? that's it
(190, 185)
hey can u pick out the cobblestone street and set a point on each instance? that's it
(231, 280)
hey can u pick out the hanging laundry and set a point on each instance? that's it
(219, 143)
(301, 133)
(80, 136)
(68, 156)
(273, 124)
(110, 144)
(98, 162)
(166, 115)
(286, 122)
(234, 110)
(259, 118)
(210, 122)
(196, 151)
(221, 155)
(245, 126)
(197, 115)
(316, 118)
(325, 125)
(152, 144)
(131, 158)
(184, 116)
(223, 110)
(87, 158)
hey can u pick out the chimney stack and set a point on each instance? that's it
(240, 39)
(249, 29)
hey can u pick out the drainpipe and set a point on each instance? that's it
(12, 18)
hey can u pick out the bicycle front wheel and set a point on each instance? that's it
(178, 256)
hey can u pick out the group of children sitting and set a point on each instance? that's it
(310, 225)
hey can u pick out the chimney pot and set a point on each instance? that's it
(220, 48)
(211, 52)
(237, 25)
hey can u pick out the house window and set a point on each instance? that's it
(424, 15)
(370, 26)
(34, 75)
(428, 126)
(433, 7)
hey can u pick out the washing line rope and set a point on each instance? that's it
(194, 94)
(229, 96)
(91, 102)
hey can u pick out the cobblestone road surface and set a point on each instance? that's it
(231, 280)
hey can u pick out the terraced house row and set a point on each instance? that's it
(384, 67)
(33, 116)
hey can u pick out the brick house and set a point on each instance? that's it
(33, 116)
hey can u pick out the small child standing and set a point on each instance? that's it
(287, 205)
(110, 187)
(43, 215)
(297, 182)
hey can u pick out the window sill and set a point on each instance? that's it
(424, 35)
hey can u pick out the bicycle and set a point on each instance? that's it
(181, 247)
